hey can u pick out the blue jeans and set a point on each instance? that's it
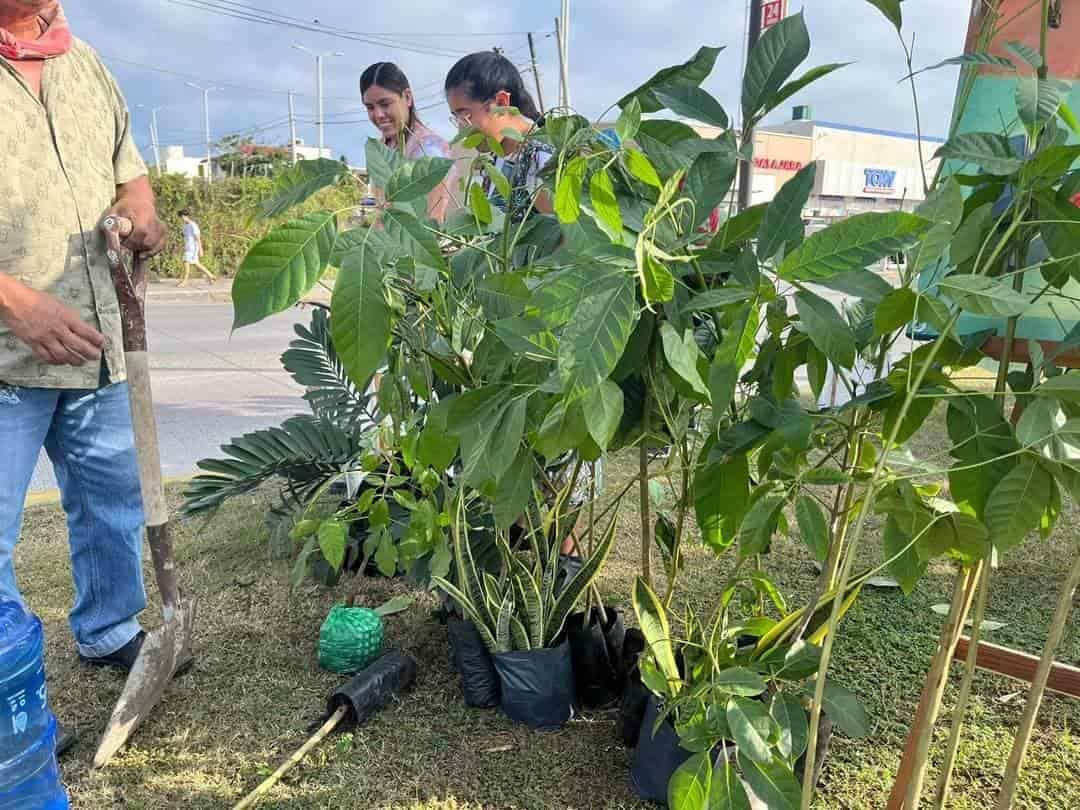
(88, 437)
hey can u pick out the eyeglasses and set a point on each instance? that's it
(462, 121)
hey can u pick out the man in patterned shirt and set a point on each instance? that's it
(68, 161)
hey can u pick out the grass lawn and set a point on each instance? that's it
(256, 688)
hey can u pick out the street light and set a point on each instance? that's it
(206, 120)
(319, 87)
(154, 143)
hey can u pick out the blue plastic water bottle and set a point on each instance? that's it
(29, 776)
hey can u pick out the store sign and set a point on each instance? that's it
(772, 12)
(880, 181)
(777, 165)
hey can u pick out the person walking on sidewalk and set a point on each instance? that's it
(69, 161)
(193, 249)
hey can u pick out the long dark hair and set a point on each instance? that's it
(390, 77)
(481, 75)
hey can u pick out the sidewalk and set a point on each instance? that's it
(220, 292)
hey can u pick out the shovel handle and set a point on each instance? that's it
(130, 285)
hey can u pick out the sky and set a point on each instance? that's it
(154, 46)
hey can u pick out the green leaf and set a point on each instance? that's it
(1038, 100)
(795, 85)
(813, 527)
(988, 150)
(756, 529)
(386, 555)
(594, 339)
(907, 568)
(1060, 230)
(727, 791)
(983, 295)
(969, 60)
(603, 407)
(282, 266)
(709, 180)
(683, 355)
(640, 166)
(498, 179)
(1064, 387)
(772, 782)
(721, 498)
(568, 190)
(739, 681)
(773, 59)
(734, 349)
(790, 715)
(381, 162)
(852, 244)
(332, 539)
(719, 298)
(491, 447)
(688, 788)
(502, 295)
(783, 223)
(361, 319)
(437, 446)
(1016, 505)
(827, 330)
(944, 204)
(514, 491)
(629, 120)
(652, 619)
(863, 284)
(300, 183)
(480, 205)
(602, 197)
(416, 239)
(417, 178)
(1025, 52)
(891, 10)
(690, 101)
(693, 72)
(658, 282)
(931, 248)
(752, 728)
(896, 310)
(738, 229)
(844, 709)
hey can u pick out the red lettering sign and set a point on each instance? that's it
(772, 12)
(778, 165)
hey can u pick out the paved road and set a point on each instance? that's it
(208, 385)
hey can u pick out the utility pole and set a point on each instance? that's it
(206, 122)
(564, 91)
(155, 144)
(564, 34)
(536, 74)
(746, 167)
(320, 122)
(292, 127)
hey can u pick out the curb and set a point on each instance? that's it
(51, 497)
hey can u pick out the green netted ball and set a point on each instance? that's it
(351, 638)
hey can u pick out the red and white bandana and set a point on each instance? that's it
(55, 39)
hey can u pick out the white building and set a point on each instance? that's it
(175, 161)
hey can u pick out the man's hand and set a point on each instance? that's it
(135, 202)
(54, 331)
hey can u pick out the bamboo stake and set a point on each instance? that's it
(1038, 688)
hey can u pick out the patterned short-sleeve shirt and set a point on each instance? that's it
(64, 155)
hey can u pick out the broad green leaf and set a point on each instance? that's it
(639, 166)
(690, 101)
(772, 782)
(983, 295)
(437, 446)
(740, 228)
(688, 788)
(568, 190)
(721, 497)
(891, 10)
(988, 150)
(527, 336)
(1037, 100)
(772, 60)
(332, 540)
(1064, 387)
(1025, 52)
(596, 335)
(373, 240)
(709, 180)
(944, 204)
(361, 319)
(1016, 505)
(381, 162)
(734, 349)
(783, 223)
(907, 568)
(282, 267)
(417, 178)
(896, 310)
(414, 237)
(969, 60)
(603, 407)
(863, 284)
(692, 72)
(931, 248)
(852, 244)
(827, 330)
(844, 709)
(658, 284)
(602, 197)
(502, 295)
(652, 619)
(752, 728)
(480, 205)
(1065, 112)
(563, 429)
(756, 529)
(683, 354)
(813, 527)
(498, 179)
(514, 491)
(727, 791)
(790, 715)
(629, 120)
(1060, 230)
(739, 681)
(300, 183)
(386, 556)
(719, 298)
(795, 85)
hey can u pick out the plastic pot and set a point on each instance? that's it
(596, 651)
(479, 680)
(635, 697)
(537, 686)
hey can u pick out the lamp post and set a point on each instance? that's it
(206, 121)
(319, 122)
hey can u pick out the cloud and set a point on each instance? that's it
(613, 46)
